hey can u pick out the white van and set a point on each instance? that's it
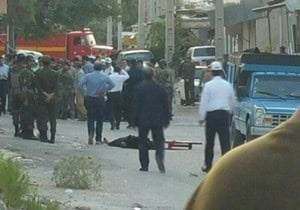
(202, 55)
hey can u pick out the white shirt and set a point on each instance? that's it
(118, 80)
(4, 69)
(109, 70)
(217, 94)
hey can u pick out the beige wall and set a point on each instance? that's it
(3, 7)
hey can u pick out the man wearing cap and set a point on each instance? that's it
(96, 84)
(109, 69)
(4, 69)
(216, 104)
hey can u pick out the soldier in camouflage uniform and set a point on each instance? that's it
(46, 83)
(65, 92)
(187, 73)
(27, 79)
(15, 91)
(162, 76)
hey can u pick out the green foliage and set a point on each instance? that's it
(38, 18)
(14, 183)
(184, 39)
(129, 13)
(156, 39)
(34, 203)
(16, 190)
(76, 173)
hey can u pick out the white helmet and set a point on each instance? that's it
(108, 60)
(216, 66)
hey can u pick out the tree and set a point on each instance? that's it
(129, 13)
(38, 18)
(184, 39)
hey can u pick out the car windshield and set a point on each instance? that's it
(276, 86)
(143, 56)
(90, 39)
(209, 51)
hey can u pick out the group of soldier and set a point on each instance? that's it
(51, 91)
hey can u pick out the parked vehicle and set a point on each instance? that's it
(268, 91)
(202, 55)
(144, 55)
(63, 45)
(199, 80)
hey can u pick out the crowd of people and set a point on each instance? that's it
(65, 89)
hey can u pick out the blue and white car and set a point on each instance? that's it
(268, 91)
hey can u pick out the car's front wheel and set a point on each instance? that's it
(249, 137)
(236, 137)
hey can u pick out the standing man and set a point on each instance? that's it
(97, 84)
(46, 82)
(109, 69)
(115, 97)
(188, 74)
(152, 113)
(79, 92)
(4, 69)
(136, 76)
(15, 91)
(87, 67)
(28, 94)
(216, 104)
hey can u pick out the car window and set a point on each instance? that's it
(270, 86)
(144, 56)
(204, 52)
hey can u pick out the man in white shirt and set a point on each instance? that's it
(4, 69)
(115, 97)
(109, 69)
(216, 104)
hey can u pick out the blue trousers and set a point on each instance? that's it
(95, 114)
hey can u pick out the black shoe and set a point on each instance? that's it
(118, 127)
(112, 128)
(144, 169)
(205, 169)
(52, 140)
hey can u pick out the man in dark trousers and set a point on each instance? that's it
(136, 76)
(152, 113)
(216, 104)
(96, 85)
(46, 83)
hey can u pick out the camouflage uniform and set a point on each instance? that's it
(65, 99)
(46, 83)
(28, 95)
(162, 76)
(15, 91)
(188, 74)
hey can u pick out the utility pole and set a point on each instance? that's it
(120, 28)
(219, 29)
(109, 31)
(170, 31)
(141, 22)
(170, 34)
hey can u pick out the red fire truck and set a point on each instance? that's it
(64, 45)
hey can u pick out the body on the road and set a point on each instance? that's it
(152, 113)
(216, 104)
(96, 84)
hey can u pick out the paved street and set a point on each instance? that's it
(123, 185)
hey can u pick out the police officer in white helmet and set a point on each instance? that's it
(216, 104)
